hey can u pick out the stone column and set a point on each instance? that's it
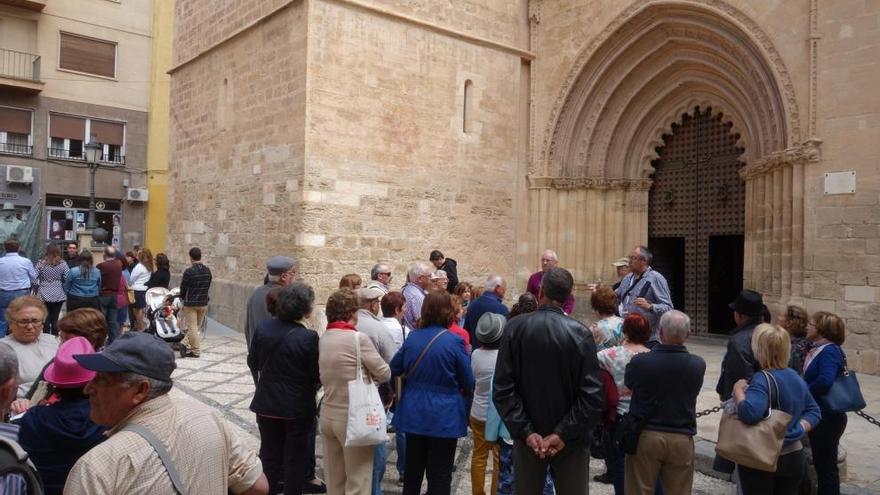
(774, 236)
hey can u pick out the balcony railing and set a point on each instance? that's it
(19, 65)
(63, 154)
(16, 148)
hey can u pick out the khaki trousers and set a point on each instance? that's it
(194, 316)
(347, 470)
(480, 458)
(667, 455)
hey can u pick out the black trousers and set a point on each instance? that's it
(76, 302)
(284, 452)
(54, 309)
(432, 456)
(825, 441)
(312, 463)
(570, 469)
(791, 469)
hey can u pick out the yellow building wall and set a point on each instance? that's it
(157, 141)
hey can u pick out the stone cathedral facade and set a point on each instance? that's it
(738, 139)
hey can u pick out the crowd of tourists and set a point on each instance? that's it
(88, 410)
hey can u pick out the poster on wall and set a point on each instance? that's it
(80, 217)
(68, 235)
(80, 227)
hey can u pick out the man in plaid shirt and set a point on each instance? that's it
(194, 287)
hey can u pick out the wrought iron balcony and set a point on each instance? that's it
(16, 148)
(63, 154)
(19, 70)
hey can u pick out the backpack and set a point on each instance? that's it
(14, 460)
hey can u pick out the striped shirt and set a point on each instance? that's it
(50, 280)
(412, 308)
(195, 284)
(11, 484)
(208, 454)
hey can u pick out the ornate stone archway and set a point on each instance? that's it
(657, 60)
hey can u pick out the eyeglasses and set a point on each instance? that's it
(29, 323)
(636, 258)
(385, 273)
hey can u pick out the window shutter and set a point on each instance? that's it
(88, 55)
(15, 121)
(62, 126)
(107, 132)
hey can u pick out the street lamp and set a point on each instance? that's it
(93, 152)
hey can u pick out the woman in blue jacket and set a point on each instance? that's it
(771, 347)
(821, 367)
(83, 283)
(432, 412)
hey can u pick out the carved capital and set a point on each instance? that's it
(808, 152)
(601, 183)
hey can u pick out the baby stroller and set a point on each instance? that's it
(163, 305)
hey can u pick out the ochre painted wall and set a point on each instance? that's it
(157, 138)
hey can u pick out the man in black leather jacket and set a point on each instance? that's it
(548, 391)
(739, 362)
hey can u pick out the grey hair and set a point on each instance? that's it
(676, 325)
(378, 268)
(552, 253)
(157, 387)
(8, 363)
(493, 281)
(646, 254)
(439, 274)
(295, 302)
(418, 269)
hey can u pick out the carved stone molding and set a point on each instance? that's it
(587, 109)
(599, 183)
(808, 152)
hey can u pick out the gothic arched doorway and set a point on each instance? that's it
(696, 216)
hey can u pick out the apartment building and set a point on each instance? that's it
(72, 71)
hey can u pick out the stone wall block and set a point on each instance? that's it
(862, 293)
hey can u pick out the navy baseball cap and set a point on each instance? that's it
(134, 352)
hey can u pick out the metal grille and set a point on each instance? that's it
(696, 194)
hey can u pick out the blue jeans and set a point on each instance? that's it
(6, 297)
(400, 440)
(108, 307)
(378, 468)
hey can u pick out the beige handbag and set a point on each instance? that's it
(755, 446)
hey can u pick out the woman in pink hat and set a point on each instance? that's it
(56, 435)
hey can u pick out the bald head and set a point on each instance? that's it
(549, 260)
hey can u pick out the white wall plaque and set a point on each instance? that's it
(840, 183)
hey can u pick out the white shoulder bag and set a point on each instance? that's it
(366, 414)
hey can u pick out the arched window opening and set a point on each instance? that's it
(467, 118)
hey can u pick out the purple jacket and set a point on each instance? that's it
(534, 287)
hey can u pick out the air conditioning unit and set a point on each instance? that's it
(136, 194)
(19, 174)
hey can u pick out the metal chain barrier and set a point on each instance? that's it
(868, 418)
(710, 411)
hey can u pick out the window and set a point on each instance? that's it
(67, 136)
(466, 124)
(15, 131)
(87, 55)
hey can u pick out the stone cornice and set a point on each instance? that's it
(808, 152)
(600, 183)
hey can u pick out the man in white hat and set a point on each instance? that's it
(370, 323)
(10, 226)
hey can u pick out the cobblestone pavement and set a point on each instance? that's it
(220, 378)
